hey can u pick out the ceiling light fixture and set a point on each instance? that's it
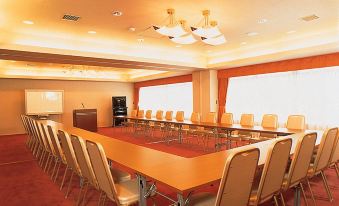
(209, 29)
(117, 13)
(262, 21)
(214, 40)
(29, 22)
(173, 28)
(185, 39)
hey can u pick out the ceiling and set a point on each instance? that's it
(281, 33)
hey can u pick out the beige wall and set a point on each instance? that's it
(93, 94)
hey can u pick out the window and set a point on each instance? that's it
(175, 97)
(313, 93)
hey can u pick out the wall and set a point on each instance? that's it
(93, 94)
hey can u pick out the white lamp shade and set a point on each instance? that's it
(173, 31)
(207, 32)
(188, 39)
(214, 41)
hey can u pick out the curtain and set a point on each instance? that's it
(174, 97)
(313, 93)
(222, 92)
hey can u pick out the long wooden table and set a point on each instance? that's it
(179, 173)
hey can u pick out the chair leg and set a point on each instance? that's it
(275, 200)
(326, 186)
(336, 169)
(85, 193)
(312, 195)
(63, 179)
(303, 193)
(79, 195)
(57, 172)
(282, 199)
(69, 184)
(54, 167)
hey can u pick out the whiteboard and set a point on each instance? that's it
(44, 102)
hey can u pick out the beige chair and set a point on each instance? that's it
(296, 122)
(53, 151)
(205, 133)
(129, 123)
(124, 193)
(87, 173)
(179, 117)
(246, 120)
(156, 126)
(140, 124)
(270, 122)
(335, 156)
(300, 163)
(148, 114)
(72, 163)
(190, 130)
(226, 119)
(273, 173)
(47, 154)
(236, 183)
(322, 160)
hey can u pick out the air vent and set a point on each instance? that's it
(70, 17)
(310, 18)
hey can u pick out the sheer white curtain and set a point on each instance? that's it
(174, 97)
(313, 93)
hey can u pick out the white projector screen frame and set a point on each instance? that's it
(37, 104)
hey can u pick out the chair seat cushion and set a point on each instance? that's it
(203, 199)
(120, 176)
(127, 192)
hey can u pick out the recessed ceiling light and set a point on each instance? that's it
(252, 33)
(262, 21)
(131, 29)
(291, 32)
(29, 22)
(140, 40)
(92, 32)
(243, 43)
(178, 46)
(117, 13)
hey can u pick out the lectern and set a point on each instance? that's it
(85, 119)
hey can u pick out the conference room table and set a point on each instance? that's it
(182, 175)
(216, 128)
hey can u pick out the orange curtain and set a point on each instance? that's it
(222, 93)
(155, 82)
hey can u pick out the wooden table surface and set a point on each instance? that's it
(179, 173)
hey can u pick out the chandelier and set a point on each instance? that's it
(177, 32)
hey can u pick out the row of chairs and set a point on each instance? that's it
(84, 158)
(280, 173)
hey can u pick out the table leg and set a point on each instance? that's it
(142, 189)
(181, 201)
(297, 196)
(180, 133)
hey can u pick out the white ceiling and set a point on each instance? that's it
(283, 36)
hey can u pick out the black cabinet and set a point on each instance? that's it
(119, 108)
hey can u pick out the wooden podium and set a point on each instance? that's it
(85, 119)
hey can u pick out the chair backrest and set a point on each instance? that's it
(236, 183)
(134, 113)
(67, 148)
(56, 144)
(301, 159)
(195, 117)
(148, 114)
(226, 118)
(24, 123)
(141, 114)
(247, 120)
(325, 149)
(211, 117)
(169, 115)
(180, 116)
(101, 169)
(335, 152)
(49, 140)
(296, 122)
(43, 136)
(82, 157)
(159, 115)
(274, 170)
(270, 121)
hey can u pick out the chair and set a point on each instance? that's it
(269, 121)
(87, 172)
(273, 173)
(130, 122)
(335, 156)
(124, 193)
(300, 163)
(296, 122)
(189, 130)
(179, 117)
(148, 115)
(226, 119)
(322, 160)
(139, 127)
(72, 163)
(236, 182)
(156, 125)
(207, 132)
(246, 120)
